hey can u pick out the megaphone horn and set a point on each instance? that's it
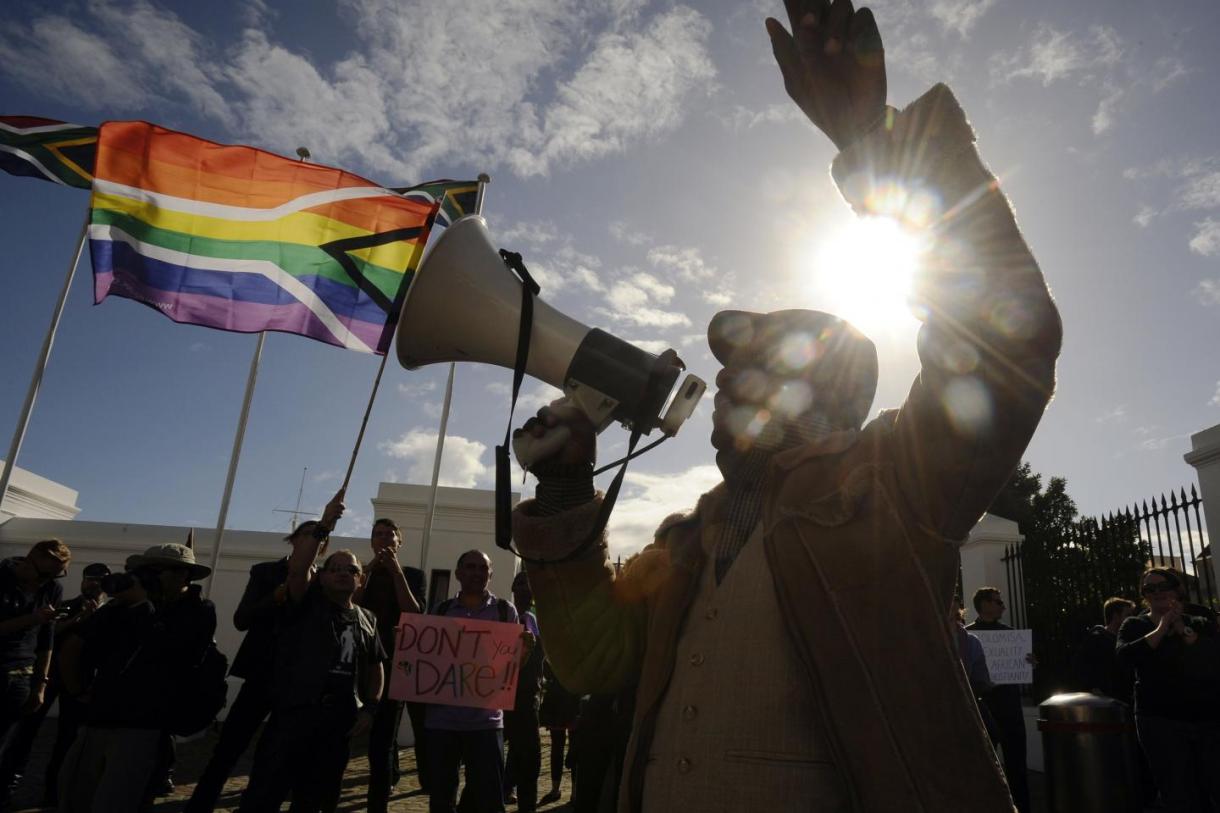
(465, 305)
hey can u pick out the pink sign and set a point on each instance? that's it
(456, 661)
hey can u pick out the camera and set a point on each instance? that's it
(116, 583)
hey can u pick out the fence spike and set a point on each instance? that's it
(1173, 501)
(1194, 495)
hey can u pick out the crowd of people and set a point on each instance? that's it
(123, 658)
(746, 659)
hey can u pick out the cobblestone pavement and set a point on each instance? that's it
(192, 756)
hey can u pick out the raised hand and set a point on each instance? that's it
(334, 509)
(833, 65)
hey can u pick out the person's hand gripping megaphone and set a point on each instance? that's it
(560, 434)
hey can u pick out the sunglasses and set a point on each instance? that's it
(1158, 587)
(351, 570)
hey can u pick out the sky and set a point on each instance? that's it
(649, 167)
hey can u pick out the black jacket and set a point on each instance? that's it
(257, 615)
(140, 655)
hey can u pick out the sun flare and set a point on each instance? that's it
(864, 273)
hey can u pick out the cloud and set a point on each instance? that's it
(629, 234)
(743, 118)
(1215, 401)
(1208, 292)
(461, 464)
(1116, 415)
(633, 300)
(1206, 239)
(654, 346)
(575, 82)
(649, 498)
(416, 389)
(1144, 216)
(84, 67)
(687, 262)
(534, 234)
(625, 90)
(959, 16)
(1052, 55)
(551, 257)
(1201, 191)
(1195, 188)
(536, 398)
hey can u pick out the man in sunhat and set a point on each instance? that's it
(760, 628)
(126, 666)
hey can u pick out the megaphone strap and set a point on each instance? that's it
(504, 507)
(504, 522)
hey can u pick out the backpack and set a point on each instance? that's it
(202, 694)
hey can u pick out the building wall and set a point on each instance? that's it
(112, 542)
(465, 520)
(30, 495)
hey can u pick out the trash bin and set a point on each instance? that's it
(1088, 749)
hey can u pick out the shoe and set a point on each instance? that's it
(510, 799)
(166, 788)
(553, 796)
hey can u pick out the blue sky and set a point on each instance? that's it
(648, 165)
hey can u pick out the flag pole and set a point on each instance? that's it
(238, 439)
(426, 538)
(368, 409)
(234, 456)
(9, 463)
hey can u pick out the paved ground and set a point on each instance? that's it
(192, 756)
(406, 799)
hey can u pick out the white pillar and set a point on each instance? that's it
(983, 562)
(1204, 455)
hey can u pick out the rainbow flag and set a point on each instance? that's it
(55, 151)
(240, 239)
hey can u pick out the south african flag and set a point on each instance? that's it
(45, 148)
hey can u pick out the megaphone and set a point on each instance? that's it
(465, 305)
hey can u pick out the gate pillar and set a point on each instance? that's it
(1204, 455)
(983, 566)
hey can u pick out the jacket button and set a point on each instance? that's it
(696, 659)
(711, 614)
(684, 765)
(690, 713)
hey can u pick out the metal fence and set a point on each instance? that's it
(1057, 582)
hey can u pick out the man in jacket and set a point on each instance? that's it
(389, 590)
(328, 680)
(1004, 701)
(256, 615)
(760, 628)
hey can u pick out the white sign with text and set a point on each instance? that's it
(1006, 652)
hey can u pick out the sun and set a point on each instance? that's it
(864, 273)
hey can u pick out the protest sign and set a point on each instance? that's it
(456, 661)
(1006, 651)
